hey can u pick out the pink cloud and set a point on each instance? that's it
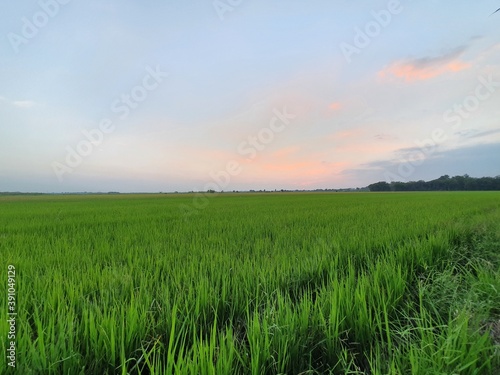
(335, 106)
(285, 152)
(411, 72)
(428, 67)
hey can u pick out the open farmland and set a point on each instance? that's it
(362, 283)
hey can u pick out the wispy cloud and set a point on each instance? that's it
(18, 103)
(477, 134)
(385, 137)
(348, 134)
(286, 152)
(24, 103)
(427, 67)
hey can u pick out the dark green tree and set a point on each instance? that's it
(380, 186)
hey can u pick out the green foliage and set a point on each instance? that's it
(254, 283)
(443, 183)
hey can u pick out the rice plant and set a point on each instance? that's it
(362, 283)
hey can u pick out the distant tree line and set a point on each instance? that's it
(443, 183)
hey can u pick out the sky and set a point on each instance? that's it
(149, 96)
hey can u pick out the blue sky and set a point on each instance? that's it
(248, 94)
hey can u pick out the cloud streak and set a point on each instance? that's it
(426, 68)
(25, 104)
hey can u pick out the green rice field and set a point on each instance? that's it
(265, 283)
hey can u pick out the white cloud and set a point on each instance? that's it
(19, 103)
(24, 103)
